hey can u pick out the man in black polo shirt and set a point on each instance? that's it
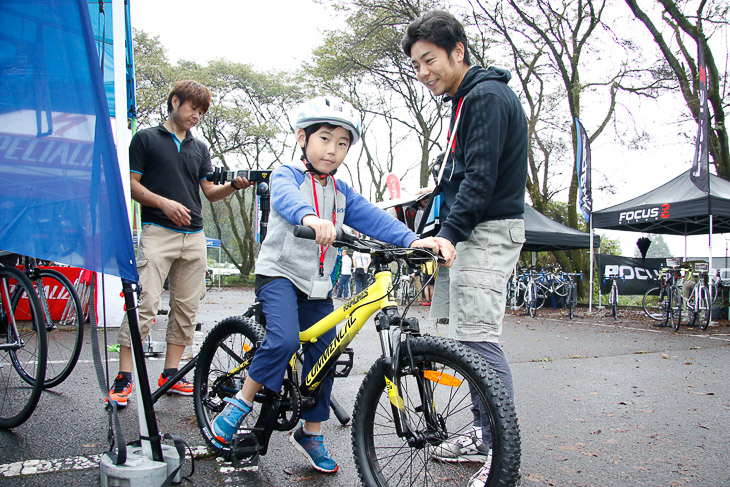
(168, 169)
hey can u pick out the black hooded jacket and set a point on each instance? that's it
(484, 179)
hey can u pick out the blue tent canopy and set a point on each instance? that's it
(62, 196)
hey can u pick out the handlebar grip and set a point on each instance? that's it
(301, 231)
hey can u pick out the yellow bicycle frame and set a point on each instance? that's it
(356, 311)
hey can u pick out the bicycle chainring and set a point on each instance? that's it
(290, 410)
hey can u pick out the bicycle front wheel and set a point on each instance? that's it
(447, 395)
(64, 324)
(614, 301)
(675, 311)
(219, 374)
(531, 301)
(23, 340)
(705, 314)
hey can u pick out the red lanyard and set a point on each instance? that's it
(323, 250)
(456, 120)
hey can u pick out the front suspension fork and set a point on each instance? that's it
(395, 344)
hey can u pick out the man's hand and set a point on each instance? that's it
(176, 212)
(447, 250)
(241, 183)
(427, 243)
(325, 230)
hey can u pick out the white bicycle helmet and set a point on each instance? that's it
(332, 110)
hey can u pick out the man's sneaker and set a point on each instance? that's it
(120, 391)
(312, 447)
(479, 479)
(227, 422)
(464, 448)
(182, 387)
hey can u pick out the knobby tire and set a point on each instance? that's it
(384, 459)
(222, 351)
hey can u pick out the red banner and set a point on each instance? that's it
(56, 295)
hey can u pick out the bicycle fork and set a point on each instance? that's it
(394, 343)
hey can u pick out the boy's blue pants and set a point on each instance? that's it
(288, 311)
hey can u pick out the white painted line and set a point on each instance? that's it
(719, 336)
(82, 462)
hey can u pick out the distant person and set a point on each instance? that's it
(345, 273)
(168, 168)
(483, 185)
(427, 271)
(293, 280)
(360, 262)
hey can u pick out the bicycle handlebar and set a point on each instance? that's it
(373, 247)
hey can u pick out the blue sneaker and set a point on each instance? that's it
(227, 422)
(312, 447)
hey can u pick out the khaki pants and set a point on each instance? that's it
(182, 256)
(474, 300)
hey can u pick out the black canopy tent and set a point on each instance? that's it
(542, 233)
(677, 208)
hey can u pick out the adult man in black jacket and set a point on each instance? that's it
(483, 184)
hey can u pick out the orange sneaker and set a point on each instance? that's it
(182, 387)
(120, 391)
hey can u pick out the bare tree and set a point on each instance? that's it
(370, 51)
(696, 27)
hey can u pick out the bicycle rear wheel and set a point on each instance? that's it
(652, 304)
(24, 352)
(64, 325)
(448, 395)
(218, 375)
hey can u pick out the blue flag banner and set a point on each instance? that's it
(100, 13)
(62, 197)
(583, 169)
(700, 174)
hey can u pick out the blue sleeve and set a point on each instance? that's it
(286, 196)
(367, 218)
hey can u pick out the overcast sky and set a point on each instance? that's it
(280, 34)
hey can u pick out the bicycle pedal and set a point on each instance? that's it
(345, 363)
(251, 464)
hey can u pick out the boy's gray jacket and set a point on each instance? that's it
(292, 198)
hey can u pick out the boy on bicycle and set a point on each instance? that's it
(293, 275)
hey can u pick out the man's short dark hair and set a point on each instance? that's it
(188, 89)
(437, 27)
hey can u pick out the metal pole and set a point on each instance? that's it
(590, 271)
(148, 431)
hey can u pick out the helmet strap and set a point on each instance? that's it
(312, 169)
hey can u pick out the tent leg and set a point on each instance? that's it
(710, 245)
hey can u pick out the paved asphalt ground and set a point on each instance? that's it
(601, 402)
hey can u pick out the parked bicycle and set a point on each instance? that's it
(613, 293)
(673, 306)
(23, 348)
(571, 299)
(699, 303)
(654, 301)
(416, 398)
(64, 319)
